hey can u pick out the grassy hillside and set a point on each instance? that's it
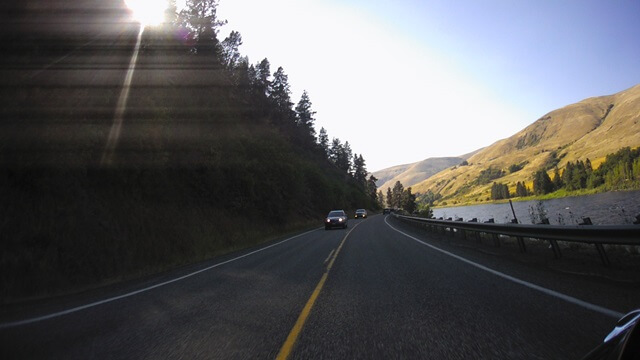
(386, 175)
(202, 162)
(417, 172)
(590, 129)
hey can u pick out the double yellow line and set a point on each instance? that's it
(288, 345)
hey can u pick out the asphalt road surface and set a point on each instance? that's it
(377, 290)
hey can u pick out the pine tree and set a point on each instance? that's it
(557, 179)
(521, 189)
(263, 73)
(389, 197)
(335, 151)
(347, 165)
(304, 115)
(500, 191)
(323, 141)
(542, 183)
(359, 169)
(408, 202)
(230, 53)
(200, 17)
(282, 113)
(372, 189)
(397, 194)
(341, 155)
(280, 91)
(260, 75)
(567, 179)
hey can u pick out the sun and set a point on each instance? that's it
(147, 12)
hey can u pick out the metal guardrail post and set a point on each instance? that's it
(496, 240)
(599, 247)
(521, 244)
(603, 254)
(556, 249)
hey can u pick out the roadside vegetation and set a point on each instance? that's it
(618, 171)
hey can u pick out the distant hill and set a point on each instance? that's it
(385, 175)
(591, 128)
(414, 173)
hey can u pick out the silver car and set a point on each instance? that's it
(361, 213)
(336, 218)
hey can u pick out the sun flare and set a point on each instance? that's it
(147, 12)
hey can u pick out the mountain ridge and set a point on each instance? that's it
(591, 128)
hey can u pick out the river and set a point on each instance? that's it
(610, 208)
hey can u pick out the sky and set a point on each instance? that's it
(403, 80)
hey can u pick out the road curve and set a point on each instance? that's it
(386, 295)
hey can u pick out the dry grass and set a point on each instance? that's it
(588, 129)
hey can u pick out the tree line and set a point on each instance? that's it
(620, 170)
(398, 197)
(264, 96)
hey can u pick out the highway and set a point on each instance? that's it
(377, 290)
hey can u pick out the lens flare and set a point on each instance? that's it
(147, 12)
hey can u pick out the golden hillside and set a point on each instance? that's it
(591, 128)
(414, 173)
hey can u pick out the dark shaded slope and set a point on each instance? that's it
(199, 166)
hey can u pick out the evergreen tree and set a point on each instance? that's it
(359, 169)
(397, 194)
(280, 92)
(347, 155)
(542, 183)
(499, 191)
(521, 189)
(335, 152)
(408, 201)
(430, 197)
(567, 176)
(304, 115)
(372, 189)
(262, 75)
(230, 53)
(580, 175)
(557, 179)
(381, 199)
(323, 141)
(242, 78)
(389, 197)
(200, 17)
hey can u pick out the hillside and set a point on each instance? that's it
(385, 175)
(108, 171)
(591, 128)
(414, 173)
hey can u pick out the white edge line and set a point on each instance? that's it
(544, 290)
(108, 300)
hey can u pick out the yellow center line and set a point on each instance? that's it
(329, 257)
(288, 345)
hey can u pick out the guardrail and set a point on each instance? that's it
(598, 235)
